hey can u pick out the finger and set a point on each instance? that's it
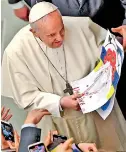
(8, 117)
(2, 110)
(67, 143)
(4, 115)
(78, 108)
(52, 136)
(11, 144)
(76, 95)
(124, 37)
(117, 30)
(16, 137)
(45, 113)
(55, 132)
(43, 110)
(48, 139)
(93, 147)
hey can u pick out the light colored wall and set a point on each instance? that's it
(9, 27)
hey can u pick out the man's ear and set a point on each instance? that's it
(34, 32)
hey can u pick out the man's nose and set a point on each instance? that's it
(59, 37)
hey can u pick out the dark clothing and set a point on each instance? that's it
(106, 13)
(29, 135)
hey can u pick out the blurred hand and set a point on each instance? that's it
(4, 144)
(5, 114)
(66, 146)
(71, 102)
(9, 144)
(22, 13)
(35, 116)
(49, 138)
(121, 30)
(87, 147)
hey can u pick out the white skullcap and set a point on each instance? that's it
(41, 9)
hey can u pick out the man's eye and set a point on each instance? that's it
(52, 35)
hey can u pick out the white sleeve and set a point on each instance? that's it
(25, 91)
(18, 5)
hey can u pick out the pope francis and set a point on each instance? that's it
(41, 61)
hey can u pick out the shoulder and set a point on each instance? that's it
(76, 22)
(78, 25)
(19, 41)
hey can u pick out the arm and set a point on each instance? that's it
(16, 4)
(24, 88)
(124, 5)
(20, 10)
(29, 135)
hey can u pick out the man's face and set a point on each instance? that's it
(51, 30)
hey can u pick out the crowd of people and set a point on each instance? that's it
(30, 134)
(45, 56)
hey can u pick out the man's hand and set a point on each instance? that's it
(5, 114)
(66, 146)
(121, 30)
(49, 138)
(9, 144)
(14, 145)
(71, 102)
(35, 116)
(22, 13)
(87, 147)
(4, 144)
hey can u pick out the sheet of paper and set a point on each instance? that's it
(106, 109)
(96, 88)
(99, 87)
(104, 112)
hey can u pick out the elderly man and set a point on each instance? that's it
(41, 61)
(102, 12)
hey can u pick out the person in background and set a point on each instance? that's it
(31, 134)
(5, 115)
(102, 12)
(35, 115)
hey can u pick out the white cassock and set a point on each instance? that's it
(31, 80)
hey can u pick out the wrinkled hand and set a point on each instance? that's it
(66, 146)
(49, 138)
(35, 116)
(87, 147)
(9, 144)
(22, 13)
(121, 30)
(71, 102)
(5, 114)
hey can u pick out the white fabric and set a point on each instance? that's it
(30, 79)
(28, 125)
(40, 10)
(18, 5)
